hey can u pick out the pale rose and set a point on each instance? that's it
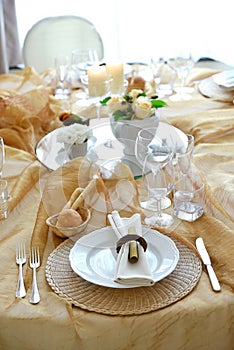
(143, 102)
(142, 108)
(134, 93)
(115, 103)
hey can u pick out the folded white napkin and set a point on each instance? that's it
(137, 274)
(131, 274)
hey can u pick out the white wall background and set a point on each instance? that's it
(134, 30)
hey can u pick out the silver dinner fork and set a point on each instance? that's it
(34, 264)
(20, 260)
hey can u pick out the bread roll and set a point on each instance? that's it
(136, 83)
(69, 218)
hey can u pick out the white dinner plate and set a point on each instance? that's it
(93, 257)
(225, 79)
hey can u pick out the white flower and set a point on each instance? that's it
(134, 93)
(74, 133)
(143, 102)
(142, 108)
(115, 103)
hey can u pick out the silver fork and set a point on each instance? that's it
(34, 264)
(20, 260)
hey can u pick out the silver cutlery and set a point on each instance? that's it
(20, 260)
(34, 264)
(206, 260)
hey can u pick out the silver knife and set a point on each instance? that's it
(206, 260)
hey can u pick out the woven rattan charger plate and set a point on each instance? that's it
(130, 301)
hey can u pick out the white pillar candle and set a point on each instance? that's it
(116, 72)
(97, 80)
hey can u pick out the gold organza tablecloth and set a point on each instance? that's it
(201, 320)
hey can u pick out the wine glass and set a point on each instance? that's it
(80, 61)
(181, 63)
(98, 85)
(158, 178)
(62, 78)
(2, 155)
(157, 68)
(143, 144)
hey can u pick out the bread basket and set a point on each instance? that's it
(75, 202)
(66, 232)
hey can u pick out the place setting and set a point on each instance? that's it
(93, 265)
(91, 275)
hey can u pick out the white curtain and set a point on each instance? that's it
(10, 52)
(135, 30)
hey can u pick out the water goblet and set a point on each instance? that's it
(2, 155)
(181, 63)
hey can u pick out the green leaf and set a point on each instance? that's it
(127, 98)
(119, 115)
(76, 117)
(142, 94)
(104, 102)
(158, 103)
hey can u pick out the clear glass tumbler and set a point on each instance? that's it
(2, 155)
(189, 198)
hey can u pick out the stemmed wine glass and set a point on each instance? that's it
(181, 63)
(157, 68)
(158, 178)
(81, 60)
(2, 155)
(145, 138)
(62, 79)
(98, 85)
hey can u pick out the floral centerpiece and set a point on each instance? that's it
(75, 137)
(134, 105)
(131, 113)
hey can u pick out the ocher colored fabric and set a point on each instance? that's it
(208, 126)
(202, 320)
(28, 111)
